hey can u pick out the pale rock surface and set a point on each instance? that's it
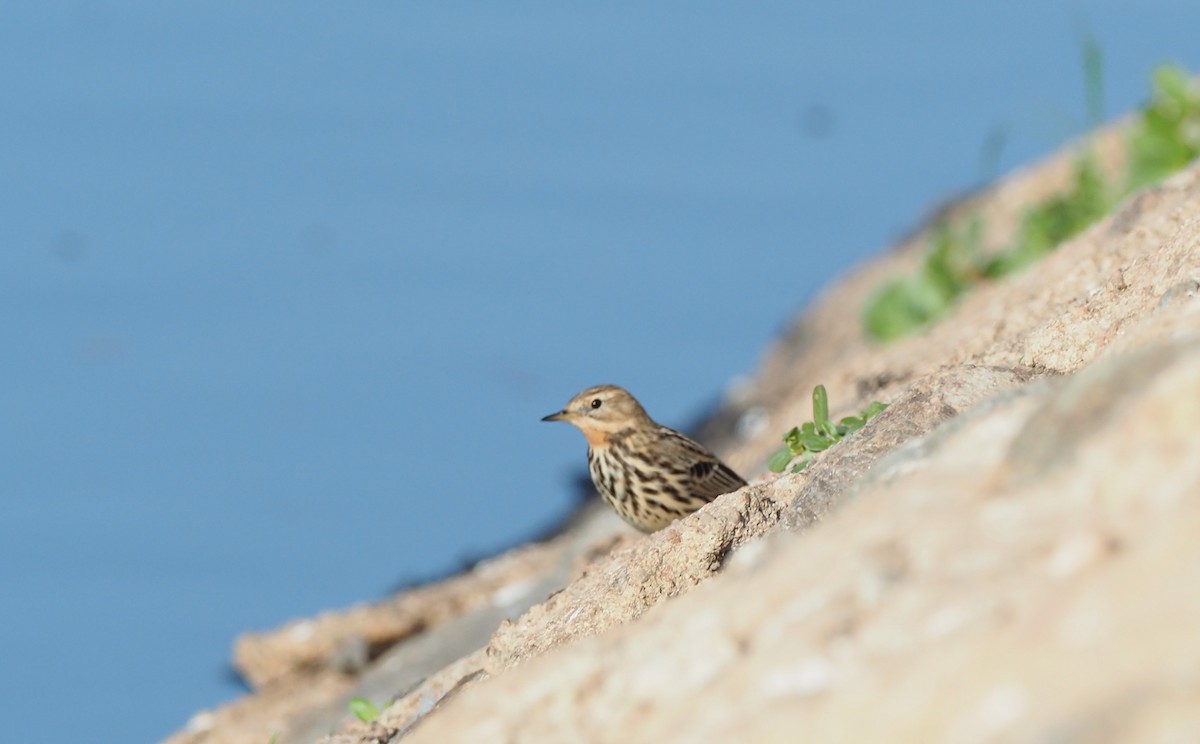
(967, 595)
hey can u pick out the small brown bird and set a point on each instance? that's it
(650, 474)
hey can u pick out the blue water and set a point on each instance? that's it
(284, 288)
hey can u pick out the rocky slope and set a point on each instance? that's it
(1010, 552)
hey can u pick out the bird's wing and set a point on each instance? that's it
(708, 475)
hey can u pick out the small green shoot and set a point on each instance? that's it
(819, 434)
(363, 709)
(1093, 80)
(989, 154)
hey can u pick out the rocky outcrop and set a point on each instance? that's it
(1009, 577)
(1010, 552)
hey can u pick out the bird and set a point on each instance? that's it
(650, 474)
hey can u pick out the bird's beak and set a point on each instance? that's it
(560, 416)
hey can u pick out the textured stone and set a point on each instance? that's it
(969, 599)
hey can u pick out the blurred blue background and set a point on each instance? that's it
(284, 288)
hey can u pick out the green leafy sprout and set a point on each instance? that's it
(1163, 139)
(363, 709)
(818, 435)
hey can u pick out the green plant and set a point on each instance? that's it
(955, 261)
(363, 709)
(819, 434)
(1166, 135)
(1047, 225)
(950, 268)
(1163, 139)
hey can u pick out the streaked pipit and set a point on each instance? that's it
(650, 474)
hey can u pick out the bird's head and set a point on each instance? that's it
(601, 411)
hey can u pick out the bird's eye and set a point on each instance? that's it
(596, 403)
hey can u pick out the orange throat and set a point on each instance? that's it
(596, 438)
